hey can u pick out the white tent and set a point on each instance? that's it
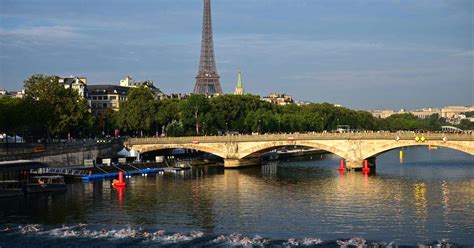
(134, 153)
(10, 139)
(19, 139)
(124, 153)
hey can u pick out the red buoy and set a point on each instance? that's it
(341, 166)
(120, 193)
(120, 182)
(366, 169)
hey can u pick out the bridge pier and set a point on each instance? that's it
(354, 165)
(238, 163)
(358, 165)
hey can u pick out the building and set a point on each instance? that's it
(178, 96)
(451, 111)
(19, 94)
(239, 89)
(382, 114)
(279, 99)
(15, 94)
(452, 114)
(103, 97)
(130, 83)
(302, 103)
(426, 113)
(76, 83)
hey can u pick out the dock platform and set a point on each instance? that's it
(115, 174)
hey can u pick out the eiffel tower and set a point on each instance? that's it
(207, 79)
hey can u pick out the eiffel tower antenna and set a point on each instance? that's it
(207, 79)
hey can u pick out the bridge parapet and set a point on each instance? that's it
(306, 136)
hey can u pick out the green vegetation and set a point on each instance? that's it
(199, 115)
(138, 113)
(411, 122)
(49, 110)
(469, 114)
(466, 125)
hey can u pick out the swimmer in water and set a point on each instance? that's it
(146, 235)
(31, 228)
(103, 232)
(220, 238)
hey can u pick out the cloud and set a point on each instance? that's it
(371, 78)
(27, 36)
(273, 43)
(469, 53)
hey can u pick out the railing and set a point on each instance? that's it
(66, 172)
(304, 136)
(38, 150)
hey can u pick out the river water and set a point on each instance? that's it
(427, 199)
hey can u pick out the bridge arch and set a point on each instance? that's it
(262, 147)
(157, 147)
(387, 147)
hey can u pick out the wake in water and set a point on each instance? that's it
(236, 239)
(194, 238)
(80, 231)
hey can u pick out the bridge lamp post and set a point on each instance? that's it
(258, 130)
(321, 119)
(227, 128)
(279, 126)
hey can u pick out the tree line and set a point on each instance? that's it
(142, 115)
(48, 110)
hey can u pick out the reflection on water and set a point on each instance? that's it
(428, 197)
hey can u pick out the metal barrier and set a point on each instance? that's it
(65, 171)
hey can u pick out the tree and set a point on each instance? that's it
(175, 128)
(193, 112)
(466, 124)
(261, 121)
(106, 122)
(469, 114)
(231, 111)
(11, 114)
(404, 122)
(138, 113)
(167, 112)
(434, 123)
(61, 110)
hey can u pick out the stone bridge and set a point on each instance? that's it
(354, 148)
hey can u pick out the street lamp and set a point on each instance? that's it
(227, 128)
(258, 130)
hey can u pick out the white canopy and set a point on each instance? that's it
(134, 153)
(10, 139)
(124, 152)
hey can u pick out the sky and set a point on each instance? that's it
(362, 54)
